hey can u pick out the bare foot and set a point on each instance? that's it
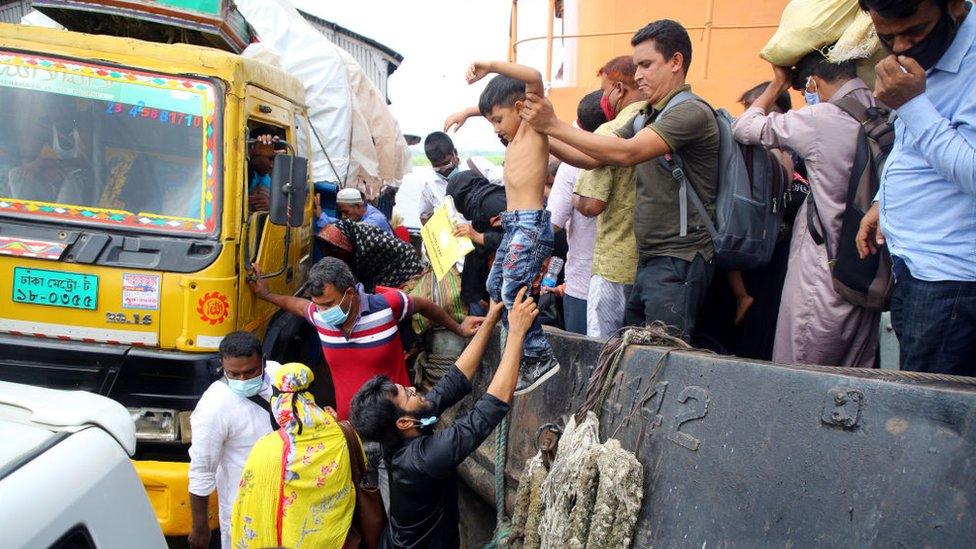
(743, 304)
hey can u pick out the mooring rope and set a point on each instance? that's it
(502, 524)
(608, 363)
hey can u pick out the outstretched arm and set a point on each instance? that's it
(520, 320)
(438, 315)
(470, 358)
(456, 120)
(572, 156)
(606, 149)
(294, 305)
(441, 453)
(531, 77)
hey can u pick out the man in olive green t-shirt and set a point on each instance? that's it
(674, 271)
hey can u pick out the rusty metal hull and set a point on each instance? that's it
(739, 453)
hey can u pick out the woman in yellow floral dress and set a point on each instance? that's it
(296, 488)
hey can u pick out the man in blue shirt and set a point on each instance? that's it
(926, 206)
(352, 205)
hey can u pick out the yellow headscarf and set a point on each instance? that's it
(296, 487)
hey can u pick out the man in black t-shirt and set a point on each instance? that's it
(422, 463)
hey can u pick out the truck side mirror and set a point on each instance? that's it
(289, 189)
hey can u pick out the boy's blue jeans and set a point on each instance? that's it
(526, 245)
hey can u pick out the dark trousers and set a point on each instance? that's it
(518, 261)
(669, 290)
(574, 314)
(935, 323)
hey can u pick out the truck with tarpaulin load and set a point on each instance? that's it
(125, 233)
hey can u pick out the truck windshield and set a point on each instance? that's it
(91, 144)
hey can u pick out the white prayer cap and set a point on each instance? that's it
(349, 196)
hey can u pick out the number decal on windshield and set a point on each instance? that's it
(159, 115)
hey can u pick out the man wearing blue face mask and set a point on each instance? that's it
(231, 416)
(422, 463)
(815, 324)
(359, 331)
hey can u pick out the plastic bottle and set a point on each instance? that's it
(552, 273)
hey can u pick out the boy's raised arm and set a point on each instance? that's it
(531, 77)
(456, 120)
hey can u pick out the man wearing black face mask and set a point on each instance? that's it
(423, 464)
(925, 210)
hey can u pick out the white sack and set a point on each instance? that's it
(311, 58)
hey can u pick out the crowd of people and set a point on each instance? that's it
(607, 193)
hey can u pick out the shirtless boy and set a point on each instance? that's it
(528, 230)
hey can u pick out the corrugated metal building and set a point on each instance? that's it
(377, 60)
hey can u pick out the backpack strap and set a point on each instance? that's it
(673, 163)
(854, 108)
(356, 462)
(861, 158)
(686, 192)
(876, 120)
(644, 118)
(859, 112)
(267, 407)
(813, 219)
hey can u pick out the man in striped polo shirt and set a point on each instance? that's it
(359, 333)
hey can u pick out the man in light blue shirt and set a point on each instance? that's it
(927, 201)
(353, 206)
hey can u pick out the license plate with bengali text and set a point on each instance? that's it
(55, 288)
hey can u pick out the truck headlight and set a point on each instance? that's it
(156, 424)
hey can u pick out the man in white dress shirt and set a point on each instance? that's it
(445, 161)
(231, 416)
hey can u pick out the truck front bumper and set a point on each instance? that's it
(167, 486)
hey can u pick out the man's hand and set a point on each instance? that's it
(495, 311)
(199, 538)
(260, 200)
(538, 112)
(263, 146)
(318, 205)
(258, 285)
(895, 86)
(557, 290)
(869, 236)
(781, 79)
(466, 230)
(523, 312)
(477, 71)
(470, 325)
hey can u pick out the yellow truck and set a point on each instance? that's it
(126, 235)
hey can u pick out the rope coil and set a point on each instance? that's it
(502, 524)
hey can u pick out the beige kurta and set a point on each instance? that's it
(815, 324)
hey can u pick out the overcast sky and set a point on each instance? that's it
(438, 40)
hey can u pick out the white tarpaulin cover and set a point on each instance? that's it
(347, 111)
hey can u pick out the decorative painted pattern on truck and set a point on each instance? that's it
(78, 79)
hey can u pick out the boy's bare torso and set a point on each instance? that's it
(526, 165)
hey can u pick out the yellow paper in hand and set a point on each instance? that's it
(443, 248)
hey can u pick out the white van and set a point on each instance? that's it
(65, 476)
